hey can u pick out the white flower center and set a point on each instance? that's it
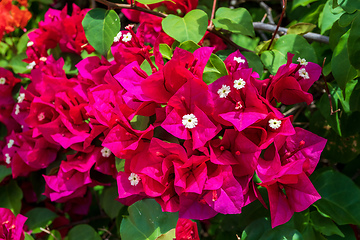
(189, 121)
(303, 73)
(239, 84)
(274, 123)
(134, 179)
(30, 43)
(41, 116)
(224, 91)
(302, 61)
(7, 158)
(2, 80)
(10, 143)
(43, 59)
(127, 37)
(118, 36)
(239, 60)
(21, 97)
(238, 105)
(17, 109)
(31, 65)
(105, 152)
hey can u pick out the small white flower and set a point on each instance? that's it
(238, 105)
(105, 152)
(134, 179)
(30, 43)
(41, 116)
(239, 84)
(118, 36)
(127, 37)
(2, 80)
(7, 158)
(303, 73)
(189, 121)
(224, 91)
(10, 143)
(17, 109)
(274, 123)
(239, 60)
(31, 65)
(43, 59)
(302, 61)
(21, 97)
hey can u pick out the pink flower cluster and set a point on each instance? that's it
(11, 227)
(192, 147)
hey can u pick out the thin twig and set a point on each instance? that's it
(309, 36)
(268, 12)
(284, 3)
(327, 90)
(212, 13)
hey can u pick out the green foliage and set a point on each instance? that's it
(101, 26)
(191, 27)
(234, 20)
(146, 221)
(4, 172)
(108, 202)
(39, 218)
(84, 232)
(340, 197)
(11, 196)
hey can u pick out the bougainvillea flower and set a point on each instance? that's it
(292, 81)
(236, 101)
(289, 189)
(303, 145)
(212, 40)
(11, 226)
(186, 229)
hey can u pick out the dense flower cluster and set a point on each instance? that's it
(11, 226)
(191, 146)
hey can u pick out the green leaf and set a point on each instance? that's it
(101, 26)
(54, 235)
(256, 229)
(83, 232)
(353, 43)
(349, 6)
(214, 69)
(292, 43)
(39, 217)
(191, 27)
(236, 20)
(324, 225)
(303, 3)
(28, 237)
(340, 64)
(340, 197)
(170, 235)
(310, 233)
(301, 28)
(329, 16)
(4, 172)
(347, 230)
(11, 196)
(190, 46)
(324, 107)
(17, 64)
(282, 232)
(120, 163)
(245, 41)
(165, 51)
(108, 202)
(347, 18)
(140, 122)
(254, 62)
(146, 221)
(336, 33)
(354, 100)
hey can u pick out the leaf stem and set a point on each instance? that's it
(327, 90)
(284, 3)
(212, 13)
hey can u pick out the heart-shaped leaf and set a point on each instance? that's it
(101, 26)
(146, 221)
(191, 27)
